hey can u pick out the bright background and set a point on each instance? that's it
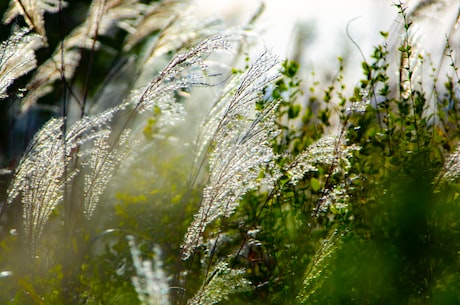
(329, 20)
(325, 24)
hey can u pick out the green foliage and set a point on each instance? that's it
(400, 241)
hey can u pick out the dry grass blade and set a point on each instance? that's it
(90, 149)
(17, 57)
(155, 17)
(32, 11)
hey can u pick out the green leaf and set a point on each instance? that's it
(315, 185)
(294, 111)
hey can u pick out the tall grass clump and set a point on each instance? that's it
(177, 167)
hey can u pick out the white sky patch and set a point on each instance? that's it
(331, 18)
(327, 22)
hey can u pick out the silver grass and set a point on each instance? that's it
(177, 32)
(91, 149)
(17, 57)
(209, 125)
(47, 73)
(182, 72)
(33, 12)
(45, 169)
(156, 17)
(185, 70)
(50, 164)
(331, 150)
(103, 17)
(39, 179)
(151, 283)
(318, 269)
(102, 161)
(221, 283)
(240, 150)
(183, 30)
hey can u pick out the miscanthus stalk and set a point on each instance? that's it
(17, 57)
(92, 150)
(33, 12)
(104, 17)
(239, 148)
